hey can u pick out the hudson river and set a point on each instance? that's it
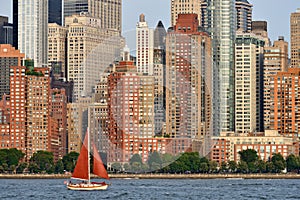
(141, 189)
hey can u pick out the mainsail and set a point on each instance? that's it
(81, 170)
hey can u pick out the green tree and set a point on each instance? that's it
(44, 161)
(242, 167)
(117, 167)
(223, 167)
(59, 167)
(248, 156)
(261, 166)
(154, 161)
(204, 168)
(69, 161)
(213, 166)
(22, 166)
(127, 167)
(278, 162)
(232, 166)
(135, 158)
(292, 163)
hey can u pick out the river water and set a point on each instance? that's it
(43, 189)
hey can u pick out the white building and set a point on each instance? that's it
(33, 30)
(144, 47)
(248, 83)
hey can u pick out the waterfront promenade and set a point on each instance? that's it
(159, 176)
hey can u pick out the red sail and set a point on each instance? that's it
(81, 170)
(99, 168)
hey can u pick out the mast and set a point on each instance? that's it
(89, 173)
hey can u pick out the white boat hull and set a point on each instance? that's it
(87, 187)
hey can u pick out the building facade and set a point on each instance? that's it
(188, 85)
(275, 60)
(144, 47)
(295, 38)
(90, 51)
(185, 7)
(221, 26)
(33, 30)
(284, 104)
(243, 15)
(227, 146)
(9, 56)
(248, 83)
(55, 12)
(110, 13)
(75, 7)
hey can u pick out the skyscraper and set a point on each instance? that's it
(260, 28)
(55, 12)
(275, 60)
(248, 83)
(90, 50)
(110, 13)
(185, 7)
(222, 25)
(9, 56)
(144, 46)
(284, 102)
(243, 15)
(33, 30)
(72, 7)
(6, 31)
(295, 38)
(188, 85)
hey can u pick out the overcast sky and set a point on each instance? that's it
(276, 12)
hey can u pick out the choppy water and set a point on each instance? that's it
(155, 189)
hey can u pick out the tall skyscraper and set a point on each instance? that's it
(144, 46)
(33, 30)
(9, 56)
(243, 15)
(57, 43)
(188, 85)
(6, 31)
(275, 60)
(185, 7)
(222, 26)
(72, 7)
(110, 13)
(55, 12)
(295, 38)
(90, 50)
(284, 102)
(248, 83)
(15, 23)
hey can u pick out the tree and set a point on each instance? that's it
(59, 167)
(278, 162)
(117, 167)
(126, 167)
(204, 168)
(248, 156)
(223, 167)
(69, 161)
(22, 166)
(232, 166)
(135, 158)
(261, 166)
(213, 166)
(44, 161)
(154, 161)
(242, 167)
(292, 163)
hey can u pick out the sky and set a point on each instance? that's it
(276, 12)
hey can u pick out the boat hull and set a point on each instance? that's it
(87, 187)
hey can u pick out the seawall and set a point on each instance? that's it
(159, 176)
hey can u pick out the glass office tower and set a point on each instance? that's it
(221, 20)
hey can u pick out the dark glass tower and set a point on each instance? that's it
(55, 12)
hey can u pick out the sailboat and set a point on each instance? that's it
(82, 169)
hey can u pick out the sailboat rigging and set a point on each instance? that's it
(82, 169)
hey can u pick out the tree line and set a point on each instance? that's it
(12, 161)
